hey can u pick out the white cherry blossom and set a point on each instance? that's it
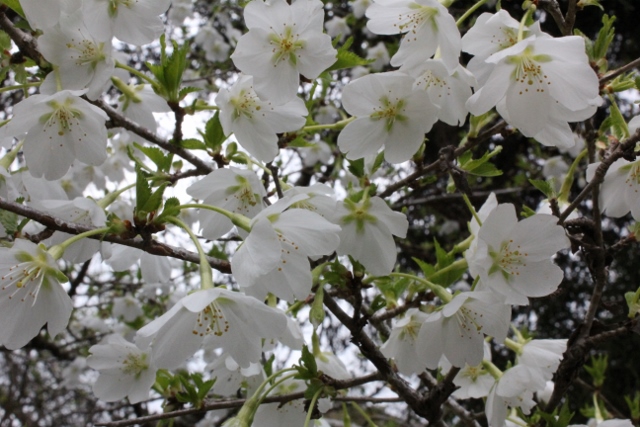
(274, 257)
(367, 233)
(255, 122)
(30, 294)
(236, 190)
(60, 128)
(84, 60)
(426, 25)
(229, 320)
(283, 42)
(132, 21)
(619, 192)
(538, 85)
(514, 258)
(389, 113)
(403, 345)
(125, 370)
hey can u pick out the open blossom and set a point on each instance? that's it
(30, 294)
(389, 112)
(284, 41)
(367, 233)
(426, 25)
(457, 330)
(255, 122)
(236, 190)
(491, 33)
(448, 90)
(514, 258)
(274, 257)
(60, 128)
(402, 344)
(217, 317)
(125, 370)
(132, 21)
(84, 60)
(538, 85)
(620, 188)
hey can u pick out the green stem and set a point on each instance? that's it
(462, 246)
(8, 158)
(136, 73)
(276, 384)
(493, 370)
(16, 87)
(523, 21)
(113, 196)
(512, 345)
(469, 12)
(471, 209)
(334, 126)
(440, 292)
(206, 276)
(366, 417)
(127, 90)
(312, 405)
(596, 408)
(461, 263)
(237, 219)
(568, 181)
(57, 251)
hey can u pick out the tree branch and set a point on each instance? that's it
(152, 247)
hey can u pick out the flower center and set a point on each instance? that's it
(410, 22)
(63, 115)
(244, 194)
(29, 270)
(633, 178)
(114, 4)
(389, 111)
(508, 260)
(285, 45)
(245, 104)
(528, 72)
(360, 214)
(88, 53)
(211, 320)
(135, 364)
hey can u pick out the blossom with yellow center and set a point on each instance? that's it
(514, 258)
(30, 294)
(389, 113)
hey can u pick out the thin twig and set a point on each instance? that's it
(153, 247)
(618, 71)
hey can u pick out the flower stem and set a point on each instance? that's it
(469, 12)
(524, 20)
(471, 209)
(206, 276)
(366, 417)
(440, 292)
(312, 405)
(8, 158)
(492, 369)
(238, 220)
(57, 251)
(333, 126)
(111, 197)
(129, 92)
(136, 73)
(16, 87)
(512, 345)
(568, 181)
(461, 263)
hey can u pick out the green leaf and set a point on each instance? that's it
(427, 269)
(486, 170)
(143, 192)
(604, 38)
(15, 5)
(213, 134)
(193, 144)
(618, 124)
(154, 201)
(169, 72)
(316, 314)
(170, 210)
(300, 142)
(308, 364)
(186, 91)
(356, 167)
(157, 156)
(544, 187)
(347, 59)
(9, 221)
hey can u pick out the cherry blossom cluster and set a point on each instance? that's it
(74, 157)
